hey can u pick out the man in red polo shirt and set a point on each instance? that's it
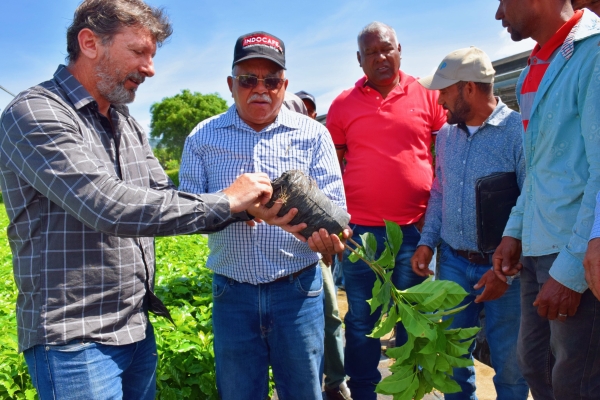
(383, 127)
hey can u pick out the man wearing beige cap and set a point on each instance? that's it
(482, 137)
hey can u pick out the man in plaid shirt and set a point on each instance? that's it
(85, 196)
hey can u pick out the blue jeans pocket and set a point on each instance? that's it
(220, 285)
(71, 347)
(310, 283)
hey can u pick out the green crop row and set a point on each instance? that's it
(186, 368)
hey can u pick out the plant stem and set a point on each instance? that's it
(376, 268)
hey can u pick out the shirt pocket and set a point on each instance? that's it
(297, 154)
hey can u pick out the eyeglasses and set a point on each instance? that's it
(251, 81)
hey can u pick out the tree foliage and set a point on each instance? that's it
(173, 119)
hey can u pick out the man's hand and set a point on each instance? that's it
(269, 215)
(494, 287)
(556, 301)
(247, 190)
(324, 243)
(506, 258)
(591, 263)
(420, 261)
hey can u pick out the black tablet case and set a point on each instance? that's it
(495, 196)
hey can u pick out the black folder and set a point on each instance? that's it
(495, 196)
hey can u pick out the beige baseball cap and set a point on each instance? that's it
(469, 65)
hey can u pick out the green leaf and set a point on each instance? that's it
(390, 385)
(418, 294)
(438, 315)
(353, 257)
(386, 325)
(444, 383)
(386, 260)
(369, 244)
(433, 302)
(462, 333)
(374, 302)
(394, 236)
(401, 353)
(427, 361)
(415, 323)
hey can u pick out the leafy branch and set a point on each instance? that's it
(427, 359)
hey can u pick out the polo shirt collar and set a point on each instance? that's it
(404, 81)
(496, 118)
(77, 94)
(231, 118)
(545, 52)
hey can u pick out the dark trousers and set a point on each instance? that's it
(559, 360)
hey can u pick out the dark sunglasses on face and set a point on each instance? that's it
(251, 81)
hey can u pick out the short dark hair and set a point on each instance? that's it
(486, 88)
(107, 17)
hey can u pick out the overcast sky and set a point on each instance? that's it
(320, 40)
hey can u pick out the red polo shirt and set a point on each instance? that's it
(388, 172)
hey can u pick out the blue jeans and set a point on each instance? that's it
(89, 370)
(279, 324)
(502, 318)
(362, 353)
(560, 360)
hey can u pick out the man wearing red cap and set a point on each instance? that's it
(383, 127)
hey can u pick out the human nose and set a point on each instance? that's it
(260, 86)
(499, 12)
(147, 68)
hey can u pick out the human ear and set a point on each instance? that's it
(89, 43)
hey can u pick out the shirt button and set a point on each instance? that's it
(377, 97)
(469, 139)
(461, 232)
(459, 210)
(464, 161)
(461, 184)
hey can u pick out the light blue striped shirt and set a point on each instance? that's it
(462, 159)
(221, 148)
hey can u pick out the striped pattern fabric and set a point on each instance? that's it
(83, 205)
(223, 147)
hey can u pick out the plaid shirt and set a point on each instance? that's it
(223, 147)
(83, 207)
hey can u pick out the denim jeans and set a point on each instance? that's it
(502, 318)
(333, 366)
(362, 353)
(560, 360)
(89, 370)
(279, 324)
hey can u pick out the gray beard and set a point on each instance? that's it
(112, 90)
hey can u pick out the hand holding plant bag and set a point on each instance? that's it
(297, 190)
(426, 360)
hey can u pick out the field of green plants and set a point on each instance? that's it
(186, 358)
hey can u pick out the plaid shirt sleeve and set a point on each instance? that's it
(42, 144)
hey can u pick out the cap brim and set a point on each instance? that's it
(248, 57)
(436, 82)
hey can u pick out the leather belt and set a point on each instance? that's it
(475, 257)
(296, 274)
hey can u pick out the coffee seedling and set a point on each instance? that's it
(427, 359)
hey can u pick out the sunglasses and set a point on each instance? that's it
(251, 81)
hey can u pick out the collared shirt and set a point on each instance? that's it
(538, 62)
(461, 159)
(389, 169)
(83, 200)
(223, 147)
(555, 211)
